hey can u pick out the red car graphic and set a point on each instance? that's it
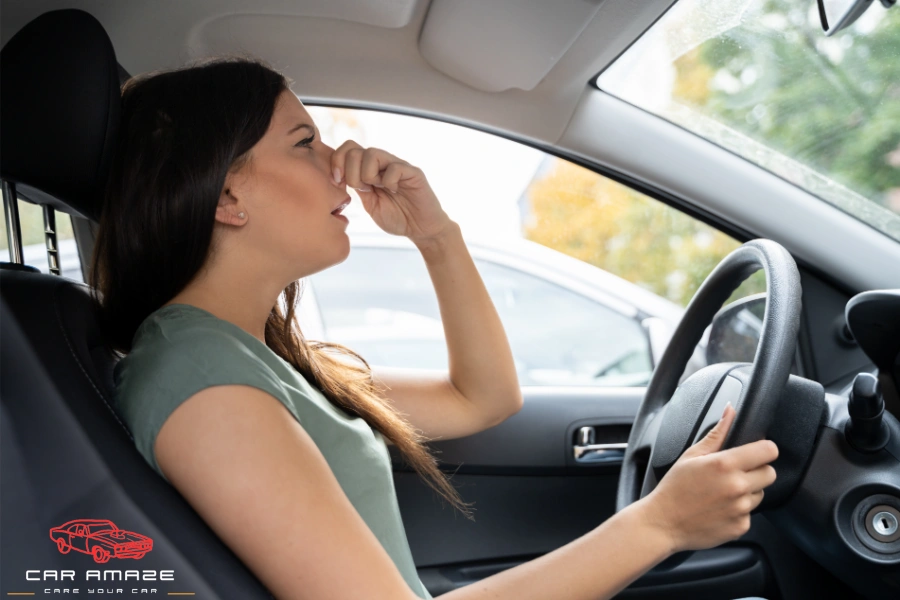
(101, 539)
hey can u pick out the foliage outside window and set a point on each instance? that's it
(759, 78)
(611, 226)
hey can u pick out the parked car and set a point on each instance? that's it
(568, 322)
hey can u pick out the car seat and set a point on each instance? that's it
(65, 452)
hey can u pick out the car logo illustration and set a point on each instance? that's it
(100, 538)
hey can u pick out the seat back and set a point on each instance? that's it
(66, 454)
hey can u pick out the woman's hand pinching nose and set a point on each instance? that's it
(394, 193)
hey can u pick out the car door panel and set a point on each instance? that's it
(537, 439)
(530, 497)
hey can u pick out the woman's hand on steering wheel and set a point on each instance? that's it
(706, 497)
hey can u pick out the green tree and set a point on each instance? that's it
(611, 226)
(833, 103)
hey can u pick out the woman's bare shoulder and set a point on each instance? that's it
(259, 480)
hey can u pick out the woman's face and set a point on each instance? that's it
(287, 193)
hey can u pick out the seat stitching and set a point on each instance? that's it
(81, 366)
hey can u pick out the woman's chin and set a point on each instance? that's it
(346, 246)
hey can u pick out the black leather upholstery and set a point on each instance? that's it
(60, 99)
(65, 452)
(64, 456)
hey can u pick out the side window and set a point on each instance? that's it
(34, 247)
(559, 337)
(380, 302)
(583, 270)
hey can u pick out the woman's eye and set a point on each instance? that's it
(305, 142)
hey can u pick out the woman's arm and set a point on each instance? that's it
(257, 478)
(481, 389)
(481, 361)
(703, 501)
(481, 369)
(597, 565)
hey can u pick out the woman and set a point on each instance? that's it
(221, 198)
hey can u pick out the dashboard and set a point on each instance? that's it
(846, 511)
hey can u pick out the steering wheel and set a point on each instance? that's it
(673, 417)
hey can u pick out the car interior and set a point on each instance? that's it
(823, 383)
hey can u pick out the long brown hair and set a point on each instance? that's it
(182, 131)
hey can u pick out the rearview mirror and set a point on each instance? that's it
(735, 331)
(839, 14)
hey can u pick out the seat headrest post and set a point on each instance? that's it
(13, 230)
(51, 240)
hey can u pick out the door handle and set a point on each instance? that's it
(586, 451)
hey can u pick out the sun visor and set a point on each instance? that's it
(502, 44)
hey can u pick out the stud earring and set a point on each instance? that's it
(240, 215)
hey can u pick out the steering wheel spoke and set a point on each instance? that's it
(643, 449)
(650, 430)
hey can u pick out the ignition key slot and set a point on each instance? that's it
(883, 523)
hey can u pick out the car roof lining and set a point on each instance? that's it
(336, 50)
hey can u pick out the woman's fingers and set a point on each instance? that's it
(390, 179)
(369, 168)
(713, 440)
(761, 478)
(352, 162)
(338, 160)
(361, 168)
(751, 456)
(756, 498)
(375, 164)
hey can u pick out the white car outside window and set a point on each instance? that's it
(380, 303)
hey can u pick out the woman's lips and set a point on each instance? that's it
(336, 213)
(342, 206)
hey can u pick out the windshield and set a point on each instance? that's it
(760, 78)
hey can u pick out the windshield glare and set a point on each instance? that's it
(760, 78)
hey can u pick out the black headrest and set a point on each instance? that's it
(59, 83)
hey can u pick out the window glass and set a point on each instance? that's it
(381, 303)
(760, 78)
(623, 259)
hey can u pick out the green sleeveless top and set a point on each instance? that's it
(181, 349)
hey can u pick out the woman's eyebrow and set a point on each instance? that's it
(300, 126)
